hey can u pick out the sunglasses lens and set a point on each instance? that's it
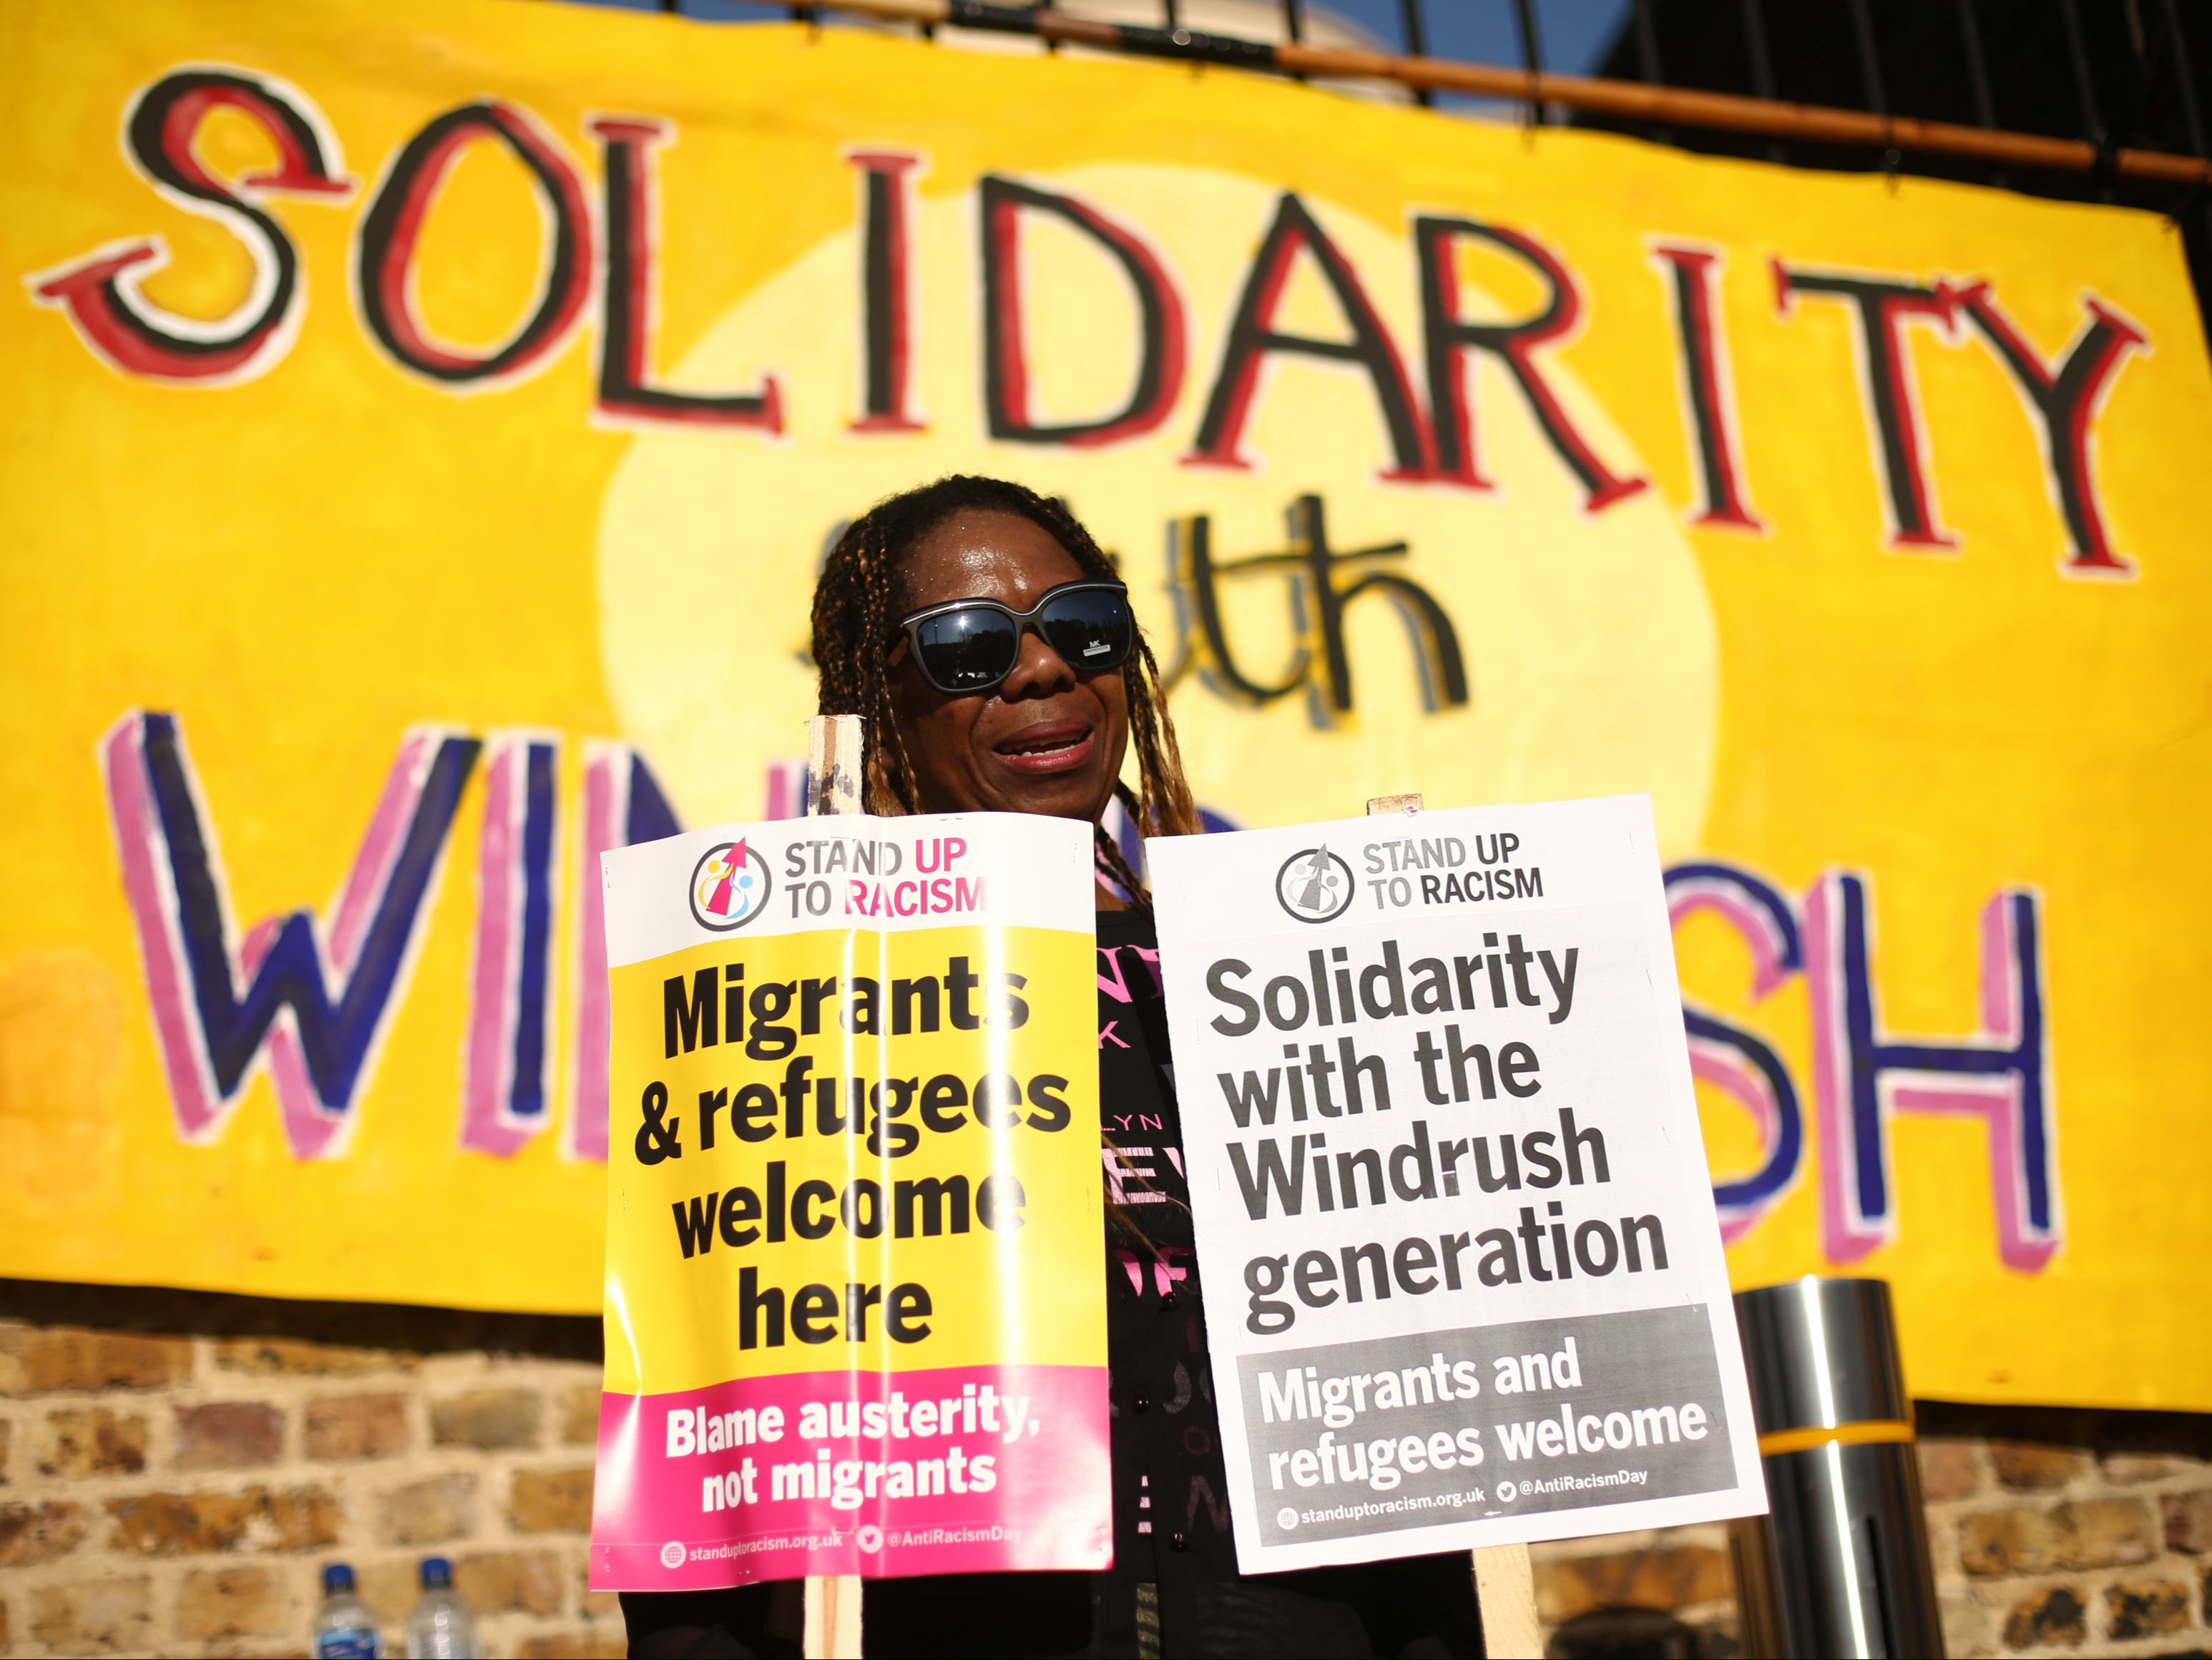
(1092, 628)
(969, 649)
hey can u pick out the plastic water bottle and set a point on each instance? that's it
(344, 1628)
(440, 1628)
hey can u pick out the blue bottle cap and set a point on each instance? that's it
(437, 1574)
(337, 1579)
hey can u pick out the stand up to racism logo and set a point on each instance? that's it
(1314, 885)
(729, 886)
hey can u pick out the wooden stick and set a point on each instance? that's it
(833, 786)
(1504, 1585)
(833, 764)
(1633, 100)
(833, 1612)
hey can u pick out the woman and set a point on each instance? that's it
(977, 708)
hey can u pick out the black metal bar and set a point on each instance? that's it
(1754, 44)
(1869, 59)
(1977, 67)
(1416, 26)
(1647, 46)
(1532, 55)
(1184, 45)
(1201, 48)
(1417, 43)
(1649, 64)
(1294, 21)
(1762, 66)
(2093, 119)
(2184, 78)
(2144, 116)
(1168, 8)
(1003, 19)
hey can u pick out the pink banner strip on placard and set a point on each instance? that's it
(963, 1469)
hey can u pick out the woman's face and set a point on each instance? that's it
(1050, 740)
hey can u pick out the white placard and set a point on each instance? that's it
(1465, 1282)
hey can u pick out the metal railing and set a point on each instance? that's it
(2112, 85)
(1650, 100)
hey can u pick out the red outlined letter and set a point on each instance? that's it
(1253, 337)
(384, 249)
(1005, 363)
(101, 293)
(1881, 309)
(1514, 344)
(1708, 387)
(2065, 395)
(627, 326)
(887, 178)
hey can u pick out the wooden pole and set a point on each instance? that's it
(833, 1613)
(834, 764)
(1632, 100)
(833, 786)
(1504, 1585)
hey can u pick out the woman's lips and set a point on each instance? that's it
(1064, 747)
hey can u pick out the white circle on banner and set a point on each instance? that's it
(1286, 1519)
(672, 1555)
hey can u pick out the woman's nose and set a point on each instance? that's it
(1039, 671)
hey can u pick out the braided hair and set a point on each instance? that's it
(857, 604)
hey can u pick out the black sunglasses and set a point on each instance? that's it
(972, 645)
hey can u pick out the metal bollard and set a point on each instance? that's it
(1840, 1566)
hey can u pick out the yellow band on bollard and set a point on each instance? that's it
(1859, 1434)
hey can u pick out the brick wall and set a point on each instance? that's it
(1684, 1572)
(176, 1468)
(2085, 1531)
(2052, 1532)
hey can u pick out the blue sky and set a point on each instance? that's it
(1575, 33)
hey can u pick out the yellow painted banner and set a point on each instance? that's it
(427, 420)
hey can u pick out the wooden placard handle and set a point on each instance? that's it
(834, 757)
(834, 764)
(1504, 1584)
(833, 1615)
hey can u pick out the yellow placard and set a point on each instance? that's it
(957, 1206)
(855, 1280)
